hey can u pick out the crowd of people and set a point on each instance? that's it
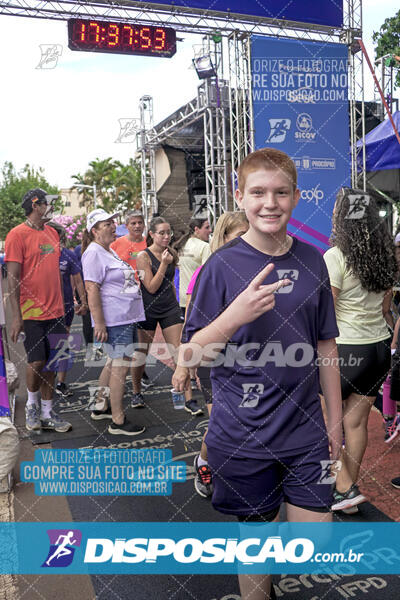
(294, 346)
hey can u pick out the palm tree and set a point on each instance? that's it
(118, 186)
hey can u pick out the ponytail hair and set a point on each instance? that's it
(87, 238)
(149, 240)
(193, 223)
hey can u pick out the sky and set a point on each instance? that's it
(63, 117)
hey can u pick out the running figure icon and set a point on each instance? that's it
(62, 549)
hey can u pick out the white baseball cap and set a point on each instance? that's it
(98, 215)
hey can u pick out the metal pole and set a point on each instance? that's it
(94, 196)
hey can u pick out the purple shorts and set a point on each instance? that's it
(252, 486)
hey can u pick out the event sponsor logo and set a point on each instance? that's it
(305, 131)
(292, 274)
(313, 195)
(63, 543)
(306, 163)
(251, 394)
(278, 130)
(50, 54)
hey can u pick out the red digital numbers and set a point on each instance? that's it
(103, 36)
(159, 39)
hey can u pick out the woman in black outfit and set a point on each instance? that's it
(157, 266)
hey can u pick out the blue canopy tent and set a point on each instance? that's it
(383, 158)
(382, 146)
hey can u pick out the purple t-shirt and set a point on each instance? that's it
(266, 381)
(120, 293)
(68, 266)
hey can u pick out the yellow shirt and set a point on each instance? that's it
(194, 254)
(358, 312)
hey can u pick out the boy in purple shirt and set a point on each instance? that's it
(264, 301)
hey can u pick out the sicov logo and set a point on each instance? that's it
(63, 543)
(305, 132)
(279, 129)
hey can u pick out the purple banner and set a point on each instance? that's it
(4, 403)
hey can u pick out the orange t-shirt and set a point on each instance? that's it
(38, 252)
(128, 250)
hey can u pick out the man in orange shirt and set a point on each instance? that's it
(32, 252)
(128, 246)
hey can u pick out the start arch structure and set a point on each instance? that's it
(224, 100)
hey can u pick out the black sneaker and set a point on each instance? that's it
(348, 499)
(193, 408)
(63, 390)
(396, 483)
(126, 428)
(137, 401)
(98, 415)
(202, 479)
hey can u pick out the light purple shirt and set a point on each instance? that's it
(120, 293)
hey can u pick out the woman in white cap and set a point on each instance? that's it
(115, 303)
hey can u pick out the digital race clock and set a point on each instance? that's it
(92, 35)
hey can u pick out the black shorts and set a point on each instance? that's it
(172, 318)
(69, 314)
(253, 486)
(42, 337)
(363, 368)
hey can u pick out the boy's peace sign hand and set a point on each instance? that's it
(257, 298)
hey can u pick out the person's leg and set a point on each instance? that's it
(203, 450)
(356, 409)
(256, 587)
(62, 375)
(145, 339)
(33, 375)
(117, 387)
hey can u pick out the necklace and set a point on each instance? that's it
(33, 226)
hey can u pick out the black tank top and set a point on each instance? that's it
(164, 300)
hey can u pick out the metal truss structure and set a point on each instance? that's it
(386, 75)
(147, 158)
(227, 97)
(351, 33)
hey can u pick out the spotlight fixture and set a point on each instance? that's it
(204, 67)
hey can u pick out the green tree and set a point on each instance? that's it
(388, 41)
(14, 184)
(118, 186)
